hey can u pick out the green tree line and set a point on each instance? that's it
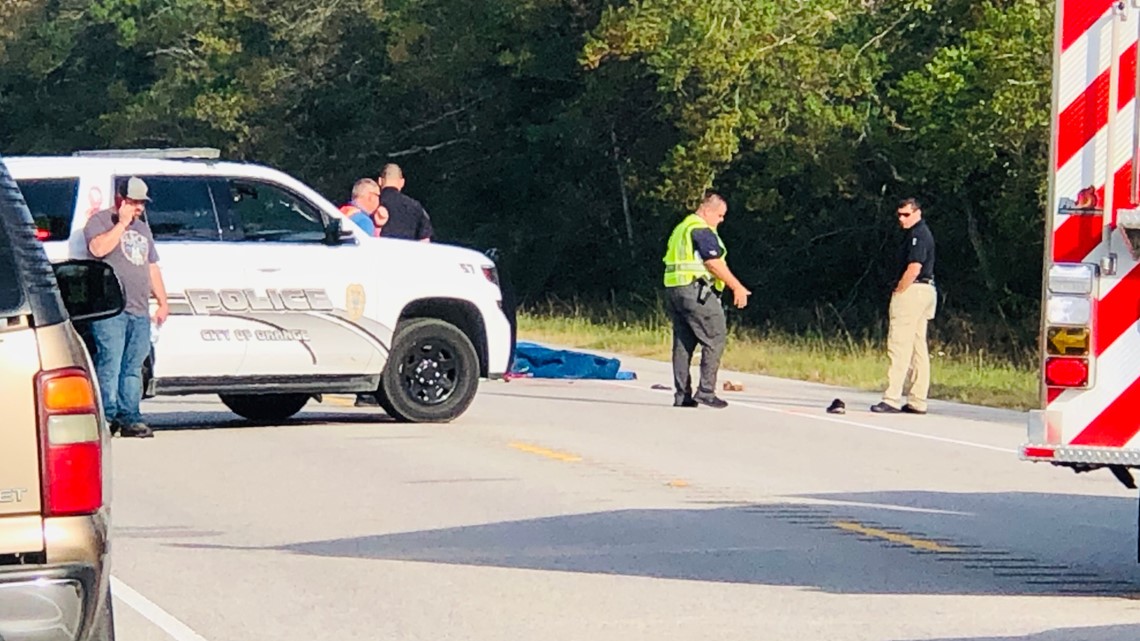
(573, 134)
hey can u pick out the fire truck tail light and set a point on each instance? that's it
(1068, 310)
(1067, 372)
(1071, 279)
(1067, 341)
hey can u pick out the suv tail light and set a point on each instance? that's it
(71, 445)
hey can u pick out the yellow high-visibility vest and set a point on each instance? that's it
(683, 264)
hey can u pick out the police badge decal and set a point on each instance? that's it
(354, 301)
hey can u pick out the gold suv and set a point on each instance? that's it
(54, 479)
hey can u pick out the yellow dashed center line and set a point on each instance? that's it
(918, 544)
(542, 451)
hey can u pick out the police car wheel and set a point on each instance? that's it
(432, 373)
(385, 404)
(265, 407)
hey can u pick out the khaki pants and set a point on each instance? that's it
(906, 345)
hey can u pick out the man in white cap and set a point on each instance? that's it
(123, 240)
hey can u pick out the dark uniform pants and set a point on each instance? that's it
(695, 322)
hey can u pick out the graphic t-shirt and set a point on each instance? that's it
(131, 259)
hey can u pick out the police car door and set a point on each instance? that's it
(298, 289)
(195, 344)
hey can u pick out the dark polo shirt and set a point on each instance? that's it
(407, 218)
(917, 248)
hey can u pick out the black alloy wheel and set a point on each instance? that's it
(432, 373)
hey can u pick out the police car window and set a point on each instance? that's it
(181, 208)
(265, 212)
(52, 203)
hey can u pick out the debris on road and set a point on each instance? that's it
(537, 361)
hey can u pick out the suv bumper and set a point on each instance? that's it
(47, 604)
(499, 347)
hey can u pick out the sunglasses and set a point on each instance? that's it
(905, 214)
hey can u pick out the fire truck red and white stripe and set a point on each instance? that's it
(1091, 295)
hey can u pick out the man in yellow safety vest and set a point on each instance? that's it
(695, 276)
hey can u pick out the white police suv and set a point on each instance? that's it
(275, 298)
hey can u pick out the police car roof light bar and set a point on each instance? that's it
(170, 153)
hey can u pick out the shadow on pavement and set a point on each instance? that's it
(183, 421)
(885, 543)
(1100, 633)
(162, 532)
(666, 402)
(1090, 530)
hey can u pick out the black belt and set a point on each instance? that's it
(924, 281)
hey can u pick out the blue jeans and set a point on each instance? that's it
(122, 343)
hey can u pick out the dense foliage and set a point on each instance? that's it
(572, 134)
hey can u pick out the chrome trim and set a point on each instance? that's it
(1035, 426)
(1110, 455)
(55, 604)
(1051, 206)
(1107, 220)
(1087, 455)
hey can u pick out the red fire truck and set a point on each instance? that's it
(1090, 334)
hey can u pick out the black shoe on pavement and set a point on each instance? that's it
(116, 427)
(910, 409)
(137, 430)
(883, 408)
(837, 407)
(684, 402)
(711, 400)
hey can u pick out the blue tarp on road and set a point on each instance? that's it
(537, 361)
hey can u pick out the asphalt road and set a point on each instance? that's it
(593, 510)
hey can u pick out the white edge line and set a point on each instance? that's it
(877, 506)
(866, 426)
(888, 430)
(150, 611)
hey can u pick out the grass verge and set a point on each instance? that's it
(956, 374)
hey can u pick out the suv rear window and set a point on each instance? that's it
(52, 203)
(11, 290)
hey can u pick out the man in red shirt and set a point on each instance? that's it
(365, 209)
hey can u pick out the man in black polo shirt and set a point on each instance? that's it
(407, 218)
(912, 306)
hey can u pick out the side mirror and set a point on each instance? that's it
(90, 289)
(333, 234)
